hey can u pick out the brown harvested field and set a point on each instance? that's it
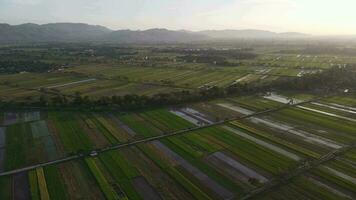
(123, 126)
(164, 184)
(111, 125)
(77, 182)
(94, 134)
(145, 189)
(21, 187)
(167, 159)
(56, 138)
(38, 153)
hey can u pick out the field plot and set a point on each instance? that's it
(213, 112)
(304, 188)
(73, 138)
(253, 103)
(17, 94)
(39, 80)
(188, 76)
(156, 122)
(225, 161)
(24, 140)
(10, 118)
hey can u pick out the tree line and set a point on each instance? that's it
(332, 80)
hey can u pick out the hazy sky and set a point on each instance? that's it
(309, 16)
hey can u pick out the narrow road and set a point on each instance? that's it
(184, 131)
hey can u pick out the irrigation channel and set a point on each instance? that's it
(272, 183)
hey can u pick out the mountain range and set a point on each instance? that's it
(79, 32)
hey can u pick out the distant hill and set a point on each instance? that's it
(153, 36)
(79, 32)
(61, 32)
(249, 33)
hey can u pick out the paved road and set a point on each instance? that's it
(119, 146)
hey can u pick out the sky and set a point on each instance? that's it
(318, 17)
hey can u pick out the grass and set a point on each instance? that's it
(18, 146)
(139, 125)
(55, 186)
(165, 120)
(300, 188)
(122, 171)
(5, 189)
(329, 176)
(105, 187)
(188, 185)
(193, 189)
(72, 136)
(302, 117)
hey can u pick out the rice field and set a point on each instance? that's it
(222, 161)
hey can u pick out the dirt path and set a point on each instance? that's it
(71, 83)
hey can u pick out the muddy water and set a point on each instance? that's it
(335, 108)
(186, 117)
(235, 108)
(306, 136)
(281, 99)
(263, 143)
(285, 100)
(286, 128)
(196, 114)
(239, 167)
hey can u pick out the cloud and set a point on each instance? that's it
(251, 13)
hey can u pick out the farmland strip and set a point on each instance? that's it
(42, 184)
(263, 143)
(21, 187)
(341, 175)
(333, 190)
(108, 191)
(208, 182)
(180, 132)
(239, 167)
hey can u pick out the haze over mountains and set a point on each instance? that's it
(78, 32)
